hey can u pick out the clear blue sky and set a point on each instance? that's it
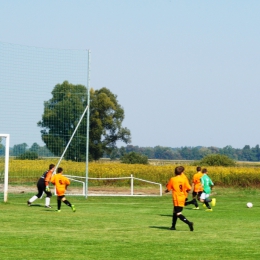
(185, 72)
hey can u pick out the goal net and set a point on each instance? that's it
(46, 91)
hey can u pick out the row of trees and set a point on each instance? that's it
(166, 153)
(189, 153)
(34, 151)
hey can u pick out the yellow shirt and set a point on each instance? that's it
(179, 186)
(61, 182)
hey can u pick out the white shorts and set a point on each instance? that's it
(203, 196)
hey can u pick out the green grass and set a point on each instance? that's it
(130, 228)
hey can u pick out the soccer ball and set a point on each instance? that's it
(249, 204)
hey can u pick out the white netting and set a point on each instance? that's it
(43, 95)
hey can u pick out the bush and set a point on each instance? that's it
(134, 158)
(217, 160)
(28, 156)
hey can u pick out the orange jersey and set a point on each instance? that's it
(47, 178)
(196, 182)
(179, 186)
(61, 182)
(186, 178)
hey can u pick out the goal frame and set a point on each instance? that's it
(127, 194)
(6, 168)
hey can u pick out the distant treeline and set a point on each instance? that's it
(19, 149)
(251, 154)
(189, 153)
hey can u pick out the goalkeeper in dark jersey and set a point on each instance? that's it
(43, 186)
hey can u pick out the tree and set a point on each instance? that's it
(134, 158)
(247, 154)
(229, 151)
(28, 155)
(40, 151)
(217, 160)
(256, 151)
(35, 148)
(62, 113)
(19, 149)
(106, 117)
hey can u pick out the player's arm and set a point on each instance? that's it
(202, 182)
(53, 180)
(67, 182)
(192, 186)
(48, 178)
(166, 191)
(168, 186)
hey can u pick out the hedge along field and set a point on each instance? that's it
(22, 171)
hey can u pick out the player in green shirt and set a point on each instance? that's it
(206, 183)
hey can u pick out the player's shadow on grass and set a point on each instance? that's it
(36, 205)
(163, 215)
(165, 228)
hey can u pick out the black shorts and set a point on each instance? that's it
(60, 197)
(196, 194)
(177, 209)
(42, 189)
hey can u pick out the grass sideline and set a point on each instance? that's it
(131, 228)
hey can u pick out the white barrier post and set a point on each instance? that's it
(132, 185)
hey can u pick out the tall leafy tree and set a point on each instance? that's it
(106, 117)
(63, 111)
(60, 118)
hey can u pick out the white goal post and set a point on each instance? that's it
(6, 163)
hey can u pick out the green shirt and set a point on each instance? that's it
(206, 183)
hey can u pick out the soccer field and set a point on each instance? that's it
(130, 228)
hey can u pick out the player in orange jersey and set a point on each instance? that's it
(61, 182)
(197, 187)
(179, 187)
(43, 186)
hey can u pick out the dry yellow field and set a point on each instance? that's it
(224, 176)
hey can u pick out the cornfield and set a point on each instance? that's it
(25, 171)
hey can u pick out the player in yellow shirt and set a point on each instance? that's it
(179, 187)
(61, 182)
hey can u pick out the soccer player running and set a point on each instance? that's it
(197, 187)
(179, 186)
(206, 183)
(61, 182)
(43, 186)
